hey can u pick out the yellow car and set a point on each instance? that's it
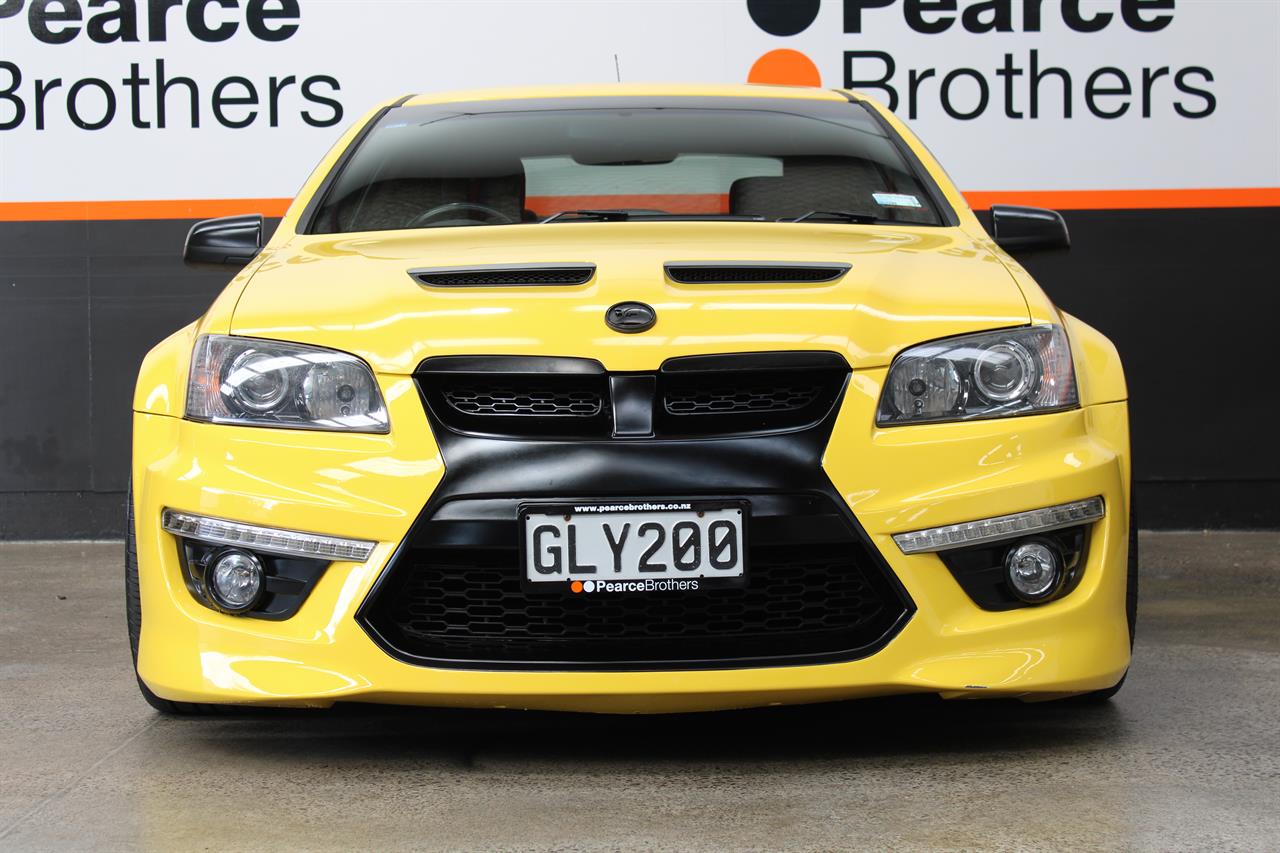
(629, 399)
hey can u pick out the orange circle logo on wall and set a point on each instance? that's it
(785, 67)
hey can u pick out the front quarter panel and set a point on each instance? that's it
(1099, 372)
(161, 387)
(162, 379)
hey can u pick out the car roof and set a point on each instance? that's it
(606, 90)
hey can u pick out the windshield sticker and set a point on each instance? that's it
(896, 200)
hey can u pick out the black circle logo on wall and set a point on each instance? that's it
(630, 317)
(783, 17)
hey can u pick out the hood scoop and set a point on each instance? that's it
(505, 275)
(753, 272)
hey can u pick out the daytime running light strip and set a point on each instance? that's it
(1000, 527)
(270, 540)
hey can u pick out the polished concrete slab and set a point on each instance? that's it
(1186, 757)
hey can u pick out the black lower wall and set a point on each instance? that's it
(1189, 297)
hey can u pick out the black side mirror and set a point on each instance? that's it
(229, 241)
(1028, 229)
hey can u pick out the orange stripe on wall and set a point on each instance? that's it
(40, 211)
(1130, 199)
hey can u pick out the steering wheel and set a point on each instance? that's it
(458, 206)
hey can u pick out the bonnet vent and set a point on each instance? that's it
(753, 272)
(505, 275)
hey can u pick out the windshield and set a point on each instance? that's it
(439, 166)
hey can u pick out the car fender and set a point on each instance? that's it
(162, 379)
(161, 388)
(1099, 373)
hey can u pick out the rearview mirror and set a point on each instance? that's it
(228, 241)
(1028, 229)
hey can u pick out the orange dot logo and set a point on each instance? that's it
(576, 586)
(785, 68)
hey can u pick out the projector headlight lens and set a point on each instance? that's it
(1004, 372)
(988, 375)
(256, 383)
(271, 383)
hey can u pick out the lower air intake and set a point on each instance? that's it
(815, 592)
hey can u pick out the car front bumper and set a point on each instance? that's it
(375, 486)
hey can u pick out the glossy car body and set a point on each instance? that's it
(906, 284)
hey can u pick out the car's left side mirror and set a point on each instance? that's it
(230, 241)
(1028, 229)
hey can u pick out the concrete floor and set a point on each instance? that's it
(1188, 756)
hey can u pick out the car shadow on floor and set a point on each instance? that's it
(897, 726)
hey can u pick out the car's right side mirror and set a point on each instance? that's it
(230, 241)
(1028, 229)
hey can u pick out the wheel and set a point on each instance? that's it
(133, 616)
(1131, 593)
(1131, 610)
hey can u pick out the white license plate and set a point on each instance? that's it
(634, 546)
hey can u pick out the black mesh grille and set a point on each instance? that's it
(724, 395)
(533, 397)
(711, 401)
(747, 274)
(813, 590)
(524, 402)
(506, 276)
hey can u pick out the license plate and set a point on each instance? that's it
(634, 546)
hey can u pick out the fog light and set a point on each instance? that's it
(234, 580)
(1034, 569)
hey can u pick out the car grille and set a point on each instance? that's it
(690, 396)
(453, 597)
(757, 398)
(532, 401)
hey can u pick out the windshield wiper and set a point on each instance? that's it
(597, 215)
(843, 215)
(624, 214)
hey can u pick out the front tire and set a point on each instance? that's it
(1131, 611)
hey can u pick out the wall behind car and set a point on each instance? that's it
(1154, 125)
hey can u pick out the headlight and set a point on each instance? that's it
(269, 383)
(989, 375)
